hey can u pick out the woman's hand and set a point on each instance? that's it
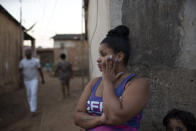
(103, 118)
(108, 67)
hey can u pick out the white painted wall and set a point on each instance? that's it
(98, 26)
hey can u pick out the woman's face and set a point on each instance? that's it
(104, 52)
(176, 125)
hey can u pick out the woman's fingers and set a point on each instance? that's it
(103, 65)
(109, 63)
(115, 63)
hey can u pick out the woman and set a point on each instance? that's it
(115, 100)
(177, 120)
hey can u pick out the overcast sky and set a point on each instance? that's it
(51, 17)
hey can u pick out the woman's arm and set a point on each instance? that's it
(87, 121)
(81, 117)
(133, 100)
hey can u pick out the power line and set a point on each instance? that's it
(51, 17)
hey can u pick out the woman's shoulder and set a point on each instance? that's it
(140, 78)
(92, 82)
(137, 80)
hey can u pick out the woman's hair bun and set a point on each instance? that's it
(120, 31)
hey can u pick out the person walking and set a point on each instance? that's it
(64, 70)
(29, 66)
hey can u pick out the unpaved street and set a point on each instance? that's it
(55, 114)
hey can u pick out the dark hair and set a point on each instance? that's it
(118, 40)
(63, 56)
(187, 119)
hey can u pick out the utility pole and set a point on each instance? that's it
(20, 12)
(20, 42)
(21, 31)
(82, 39)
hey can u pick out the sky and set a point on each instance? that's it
(49, 16)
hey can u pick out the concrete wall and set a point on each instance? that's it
(188, 41)
(115, 13)
(98, 26)
(10, 54)
(163, 42)
(163, 49)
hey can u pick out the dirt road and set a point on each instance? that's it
(55, 115)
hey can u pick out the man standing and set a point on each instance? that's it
(28, 67)
(64, 70)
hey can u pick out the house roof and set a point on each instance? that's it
(68, 37)
(44, 50)
(4, 11)
(28, 37)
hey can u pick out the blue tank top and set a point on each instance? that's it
(94, 107)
